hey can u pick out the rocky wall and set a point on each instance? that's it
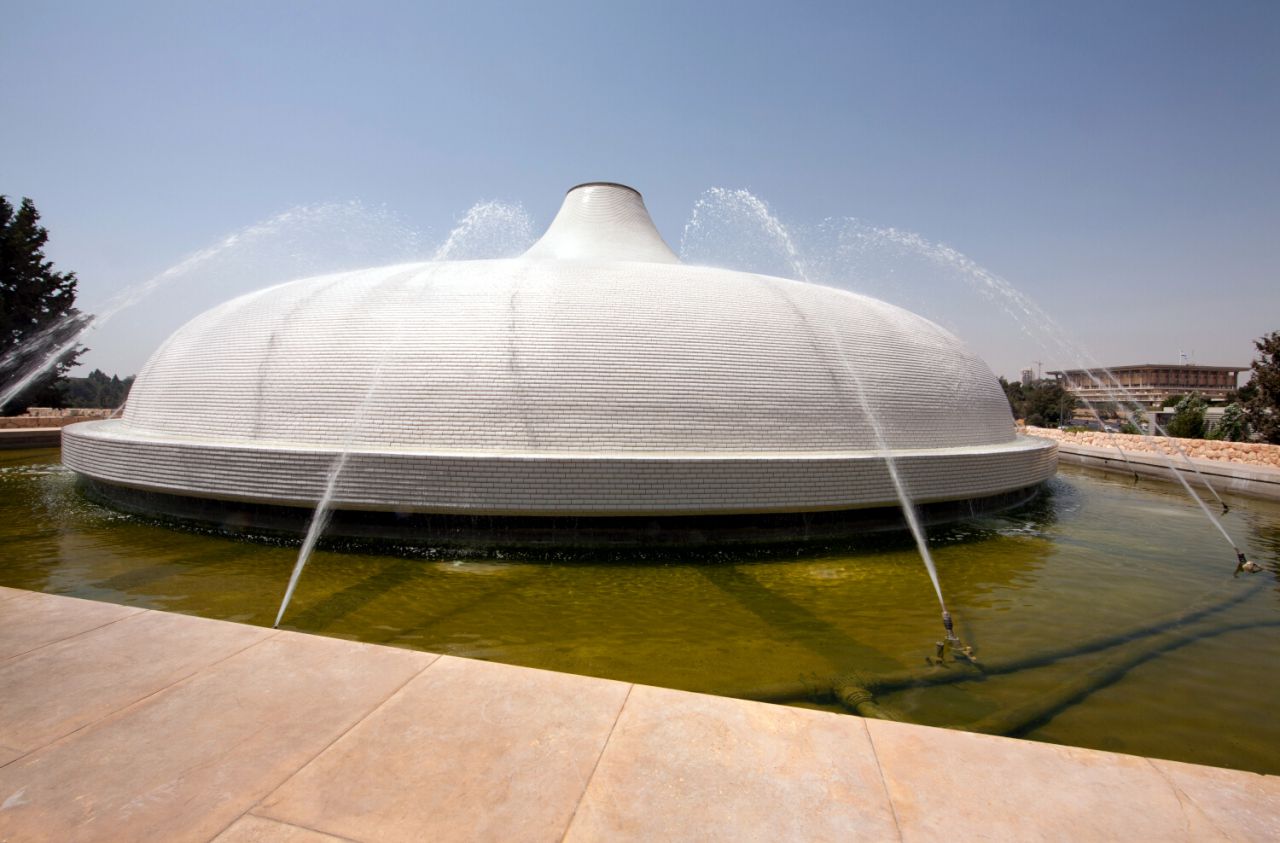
(1246, 453)
(53, 418)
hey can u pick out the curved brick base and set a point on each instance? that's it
(584, 484)
(534, 501)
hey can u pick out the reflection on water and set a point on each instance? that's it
(1095, 554)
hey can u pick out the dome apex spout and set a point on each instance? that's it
(603, 221)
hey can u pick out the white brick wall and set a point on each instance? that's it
(552, 485)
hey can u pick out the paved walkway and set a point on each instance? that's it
(119, 723)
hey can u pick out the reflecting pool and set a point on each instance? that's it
(1096, 553)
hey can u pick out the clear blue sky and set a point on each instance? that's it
(1116, 161)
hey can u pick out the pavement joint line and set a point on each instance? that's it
(18, 755)
(604, 747)
(140, 700)
(250, 813)
(137, 610)
(1184, 799)
(875, 754)
(258, 803)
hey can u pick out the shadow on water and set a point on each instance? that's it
(793, 621)
(138, 578)
(324, 614)
(397, 577)
(441, 618)
(1108, 674)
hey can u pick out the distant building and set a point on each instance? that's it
(1150, 383)
(1027, 377)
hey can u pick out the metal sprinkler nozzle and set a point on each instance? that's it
(952, 642)
(1245, 565)
(950, 639)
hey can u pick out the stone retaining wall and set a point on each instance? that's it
(45, 417)
(1245, 453)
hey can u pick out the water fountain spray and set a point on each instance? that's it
(1024, 311)
(1114, 439)
(55, 341)
(950, 642)
(1116, 392)
(1126, 401)
(763, 216)
(1029, 316)
(1242, 563)
(484, 225)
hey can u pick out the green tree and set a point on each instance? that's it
(1135, 422)
(1048, 403)
(37, 309)
(1041, 403)
(1107, 409)
(1188, 418)
(1244, 394)
(97, 390)
(1263, 409)
(1013, 393)
(1232, 427)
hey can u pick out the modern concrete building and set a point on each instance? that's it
(595, 377)
(1151, 383)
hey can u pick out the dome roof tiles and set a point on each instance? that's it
(594, 375)
(566, 356)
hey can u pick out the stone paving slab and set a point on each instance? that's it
(522, 743)
(56, 689)
(185, 763)
(29, 620)
(1245, 806)
(251, 829)
(251, 735)
(683, 766)
(966, 786)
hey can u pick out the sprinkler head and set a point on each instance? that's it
(1246, 565)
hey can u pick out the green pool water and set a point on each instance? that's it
(1096, 553)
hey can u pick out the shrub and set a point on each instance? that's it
(1232, 427)
(1188, 418)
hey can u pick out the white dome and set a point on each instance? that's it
(594, 375)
